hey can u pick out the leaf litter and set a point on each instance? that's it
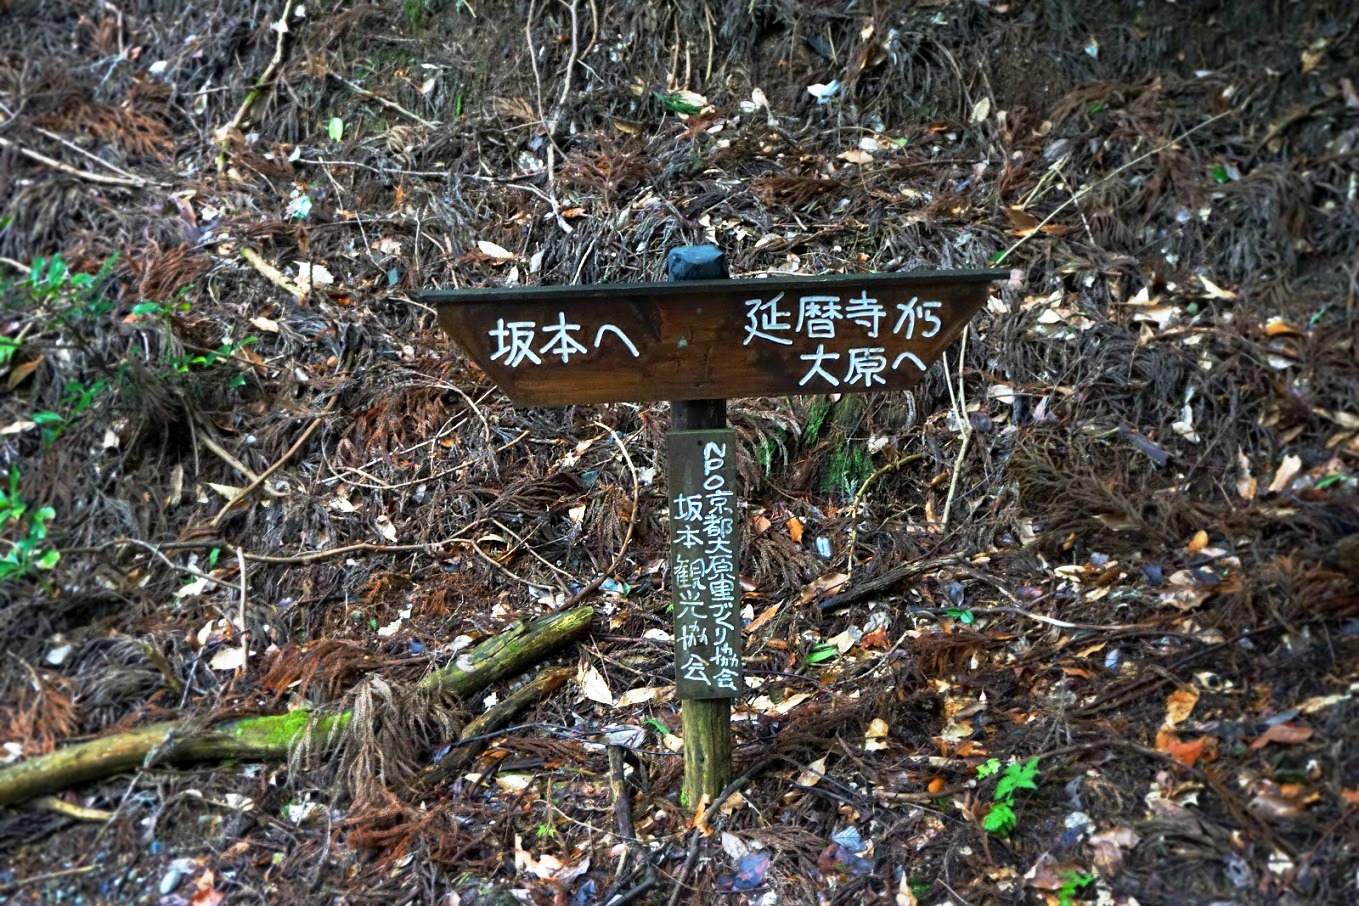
(1164, 488)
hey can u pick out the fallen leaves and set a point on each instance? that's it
(1287, 471)
(1179, 705)
(828, 584)
(1282, 734)
(494, 252)
(16, 377)
(1109, 846)
(592, 685)
(547, 867)
(1186, 753)
(876, 736)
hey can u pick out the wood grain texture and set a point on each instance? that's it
(691, 340)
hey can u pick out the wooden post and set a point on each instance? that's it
(706, 721)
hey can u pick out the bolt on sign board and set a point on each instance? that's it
(703, 550)
(712, 339)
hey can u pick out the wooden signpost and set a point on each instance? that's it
(698, 341)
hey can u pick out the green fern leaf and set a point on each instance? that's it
(1000, 820)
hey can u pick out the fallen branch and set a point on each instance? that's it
(472, 740)
(224, 134)
(278, 463)
(273, 274)
(886, 581)
(102, 179)
(390, 105)
(270, 737)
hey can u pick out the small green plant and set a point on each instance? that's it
(76, 400)
(962, 615)
(820, 654)
(30, 551)
(335, 129)
(186, 362)
(545, 831)
(159, 309)
(676, 103)
(50, 281)
(1073, 883)
(1001, 819)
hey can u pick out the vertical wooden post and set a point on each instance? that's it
(706, 721)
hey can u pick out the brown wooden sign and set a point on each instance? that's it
(703, 551)
(712, 339)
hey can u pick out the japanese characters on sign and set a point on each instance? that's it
(516, 342)
(703, 552)
(712, 339)
(861, 318)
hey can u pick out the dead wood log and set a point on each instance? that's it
(472, 739)
(270, 737)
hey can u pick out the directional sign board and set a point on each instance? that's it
(712, 339)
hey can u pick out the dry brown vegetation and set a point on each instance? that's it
(1147, 576)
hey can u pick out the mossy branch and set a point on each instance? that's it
(269, 737)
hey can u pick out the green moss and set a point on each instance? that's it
(769, 447)
(279, 731)
(816, 419)
(846, 469)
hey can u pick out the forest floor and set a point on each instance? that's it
(1129, 503)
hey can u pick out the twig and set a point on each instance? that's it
(390, 105)
(689, 861)
(393, 171)
(304, 557)
(622, 806)
(156, 552)
(273, 274)
(78, 812)
(49, 876)
(550, 125)
(570, 67)
(1086, 190)
(224, 134)
(622, 810)
(134, 182)
(964, 425)
(711, 812)
(632, 522)
(245, 633)
(476, 410)
(886, 581)
(94, 157)
(288, 454)
(858, 500)
(495, 722)
(235, 463)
